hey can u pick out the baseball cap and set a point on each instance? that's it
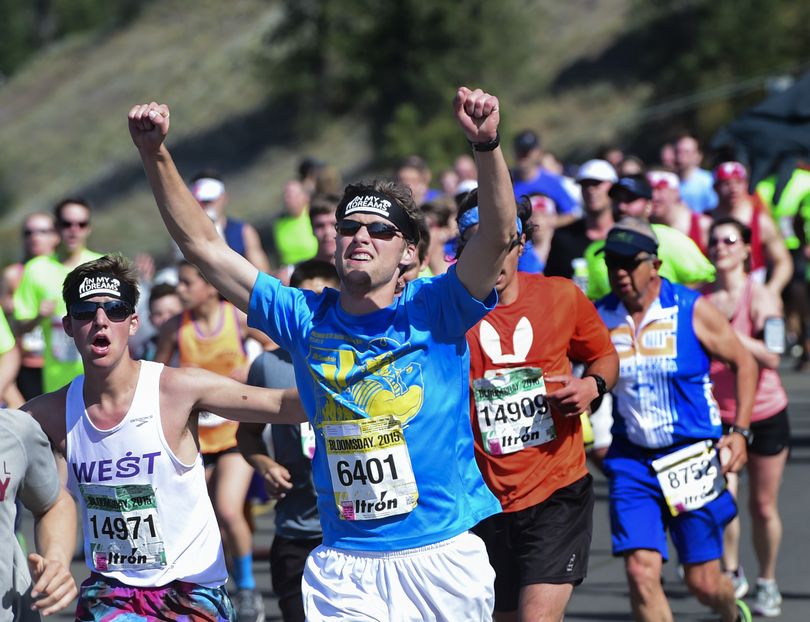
(468, 185)
(730, 170)
(636, 185)
(207, 189)
(599, 170)
(663, 179)
(631, 236)
(525, 141)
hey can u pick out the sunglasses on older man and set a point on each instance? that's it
(628, 263)
(115, 310)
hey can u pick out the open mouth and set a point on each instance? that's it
(100, 344)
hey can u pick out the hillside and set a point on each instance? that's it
(63, 118)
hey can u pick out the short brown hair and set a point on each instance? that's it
(115, 264)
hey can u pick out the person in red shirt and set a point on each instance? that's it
(525, 407)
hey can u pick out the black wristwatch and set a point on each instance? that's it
(601, 385)
(746, 433)
(490, 145)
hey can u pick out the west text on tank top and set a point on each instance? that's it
(147, 519)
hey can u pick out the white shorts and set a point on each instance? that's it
(450, 580)
(601, 422)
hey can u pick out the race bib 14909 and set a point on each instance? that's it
(512, 410)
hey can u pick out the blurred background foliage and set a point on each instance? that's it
(255, 85)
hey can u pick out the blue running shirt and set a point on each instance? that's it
(409, 360)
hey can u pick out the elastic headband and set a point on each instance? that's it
(471, 217)
(102, 284)
(379, 204)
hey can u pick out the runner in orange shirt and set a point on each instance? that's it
(525, 407)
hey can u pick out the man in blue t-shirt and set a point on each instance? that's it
(384, 381)
(530, 178)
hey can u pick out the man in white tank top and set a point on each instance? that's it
(125, 438)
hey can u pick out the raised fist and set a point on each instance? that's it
(477, 113)
(148, 125)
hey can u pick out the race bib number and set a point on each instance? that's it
(63, 348)
(123, 527)
(370, 467)
(307, 440)
(690, 477)
(512, 410)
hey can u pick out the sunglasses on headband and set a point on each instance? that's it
(115, 310)
(377, 230)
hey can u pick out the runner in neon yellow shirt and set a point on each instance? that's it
(38, 298)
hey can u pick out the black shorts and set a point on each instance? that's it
(547, 543)
(287, 559)
(771, 435)
(211, 459)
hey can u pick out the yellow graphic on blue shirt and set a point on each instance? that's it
(380, 380)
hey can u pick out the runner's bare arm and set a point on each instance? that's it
(54, 587)
(254, 252)
(721, 342)
(478, 268)
(48, 410)
(227, 270)
(276, 478)
(777, 254)
(199, 389)
(167, 341)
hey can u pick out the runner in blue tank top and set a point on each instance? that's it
(667, 461)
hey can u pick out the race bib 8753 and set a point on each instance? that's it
(690, 477)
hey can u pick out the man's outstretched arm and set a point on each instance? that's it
(229, 272)
(478, 268)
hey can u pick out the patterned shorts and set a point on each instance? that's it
(102, 599)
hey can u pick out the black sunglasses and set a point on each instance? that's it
(31, 232)
(377, 230)
(730, 240)
(624, 262)
(116, 310)
(69, 224)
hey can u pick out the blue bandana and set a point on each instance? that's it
(471, 217)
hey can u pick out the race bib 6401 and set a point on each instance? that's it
(370, 468)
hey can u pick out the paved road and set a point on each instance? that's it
(603, 596)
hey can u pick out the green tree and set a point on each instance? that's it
(397, 63)
(27, 25)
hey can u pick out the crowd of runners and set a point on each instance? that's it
(419, 375)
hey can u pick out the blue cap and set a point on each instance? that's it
(636, 185)
(631, 236)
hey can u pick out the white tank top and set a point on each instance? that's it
(146, 516)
